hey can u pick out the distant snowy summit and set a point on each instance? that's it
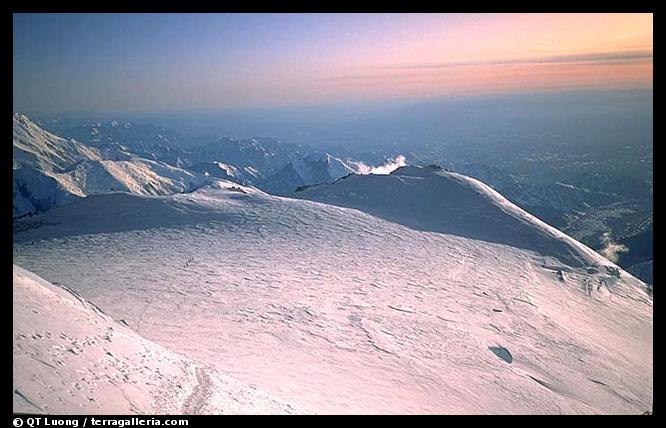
(312, 169)
(50, 171)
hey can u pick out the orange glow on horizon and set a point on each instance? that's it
(442, 55)
(490, 53)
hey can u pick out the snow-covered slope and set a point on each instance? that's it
(70, 357)
(50, 171)
(643, 270)
(407, 310)
(265, 156)
(321, 169)
(42, 150)
(434, 199)
(310, 170)
(36, 191)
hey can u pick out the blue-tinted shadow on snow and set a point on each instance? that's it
(502, 352)
(431, 199)
(124, 212)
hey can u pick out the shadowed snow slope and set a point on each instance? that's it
(339, 311)
(433, 199)
(70, 357)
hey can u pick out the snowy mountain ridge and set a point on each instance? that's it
(50, 171)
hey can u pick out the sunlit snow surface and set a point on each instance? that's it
(50, 170)
(70, 357)
(338, 311)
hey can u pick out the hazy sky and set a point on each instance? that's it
(158, 62)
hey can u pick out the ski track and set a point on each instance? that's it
(196, 402)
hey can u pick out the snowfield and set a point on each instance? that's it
(420, 292)
(70, 357)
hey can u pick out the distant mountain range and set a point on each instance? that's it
(50, 170)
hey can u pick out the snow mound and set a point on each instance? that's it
(121, 211)
(434, 199)
(72, 358)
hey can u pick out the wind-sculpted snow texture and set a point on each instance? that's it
(70, 357)
(414, 308)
